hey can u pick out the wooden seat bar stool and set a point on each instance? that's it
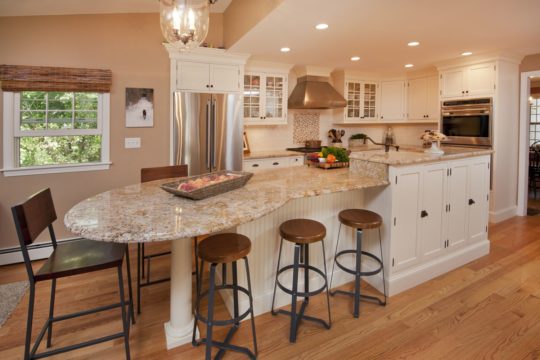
(77, 257)
(223, 249)
(144, 259)
(361, 220)
(301, 232)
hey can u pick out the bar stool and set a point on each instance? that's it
(301, 232)
(223, 249)
(360, 220)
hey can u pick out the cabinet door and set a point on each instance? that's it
(432, 213)
(478, 199)
(417, 99)
(252, 98)
(392, 100)
(405, 209)
(369, 101)
(296, 161)
(275, 98)
(225, 78)
(452, 83)
(480, 79)
(352, 94)
(193, 76)
(433, 106)
(458, 207)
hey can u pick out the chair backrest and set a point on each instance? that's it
(163, 172)
(33, 216)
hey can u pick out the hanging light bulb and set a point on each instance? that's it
(184, 23)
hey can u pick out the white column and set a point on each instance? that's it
(179, 329)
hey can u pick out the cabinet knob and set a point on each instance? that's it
(207, 86)
(275, 164)
(423, 213)
(462, 91)
(382, 117)
(471, 202)
(211, 86)
(255, 165)
(467, 91)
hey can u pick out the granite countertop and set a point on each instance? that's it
(270, 154)
(145, 212)
(416, 155)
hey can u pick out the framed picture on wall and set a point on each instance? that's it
(139, 107)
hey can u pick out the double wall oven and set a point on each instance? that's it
(467, 122)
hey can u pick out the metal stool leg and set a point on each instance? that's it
(334, 264)
(142, 259)
(382, 261)
(306, 272)
(196, 247)
(294, 315)
(357, 277)
(210, 325)
(130, 288)
(125, 318)
(197, 302)
(139, 278)
(51, 312)
(251, 307)
(29, 321)
(327, 288)
(275, 283)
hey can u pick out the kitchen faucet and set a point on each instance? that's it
(386, 145)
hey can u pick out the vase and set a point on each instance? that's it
(434, 149)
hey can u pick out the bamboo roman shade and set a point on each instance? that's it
(44, 78)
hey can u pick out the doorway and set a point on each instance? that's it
(529, 140)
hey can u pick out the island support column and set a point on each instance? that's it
(179, 329)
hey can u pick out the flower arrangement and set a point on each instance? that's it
(432, 135)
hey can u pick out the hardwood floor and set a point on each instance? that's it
(489, 308)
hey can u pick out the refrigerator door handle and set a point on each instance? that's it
(214, 126)
(208, 138)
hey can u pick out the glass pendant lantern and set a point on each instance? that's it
(184, 23)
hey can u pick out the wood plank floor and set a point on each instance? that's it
(488, 309)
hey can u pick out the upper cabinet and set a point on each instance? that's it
(423, 99)
(362, 101)
(469, 81)
(393, 100)
(265, 98)
(196, 76)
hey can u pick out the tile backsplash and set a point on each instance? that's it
(305, 127)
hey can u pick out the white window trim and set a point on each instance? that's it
(11, 105)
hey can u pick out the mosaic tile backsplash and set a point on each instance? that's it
(305, 127)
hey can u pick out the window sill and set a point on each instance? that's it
(55, 169)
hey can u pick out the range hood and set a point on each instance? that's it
(315, 92)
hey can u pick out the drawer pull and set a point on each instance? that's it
(276, 163)
(255, 165)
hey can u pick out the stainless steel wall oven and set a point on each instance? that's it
(467, 122)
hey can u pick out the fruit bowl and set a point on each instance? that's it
(207, 185)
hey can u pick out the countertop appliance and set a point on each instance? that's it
(467, 122)
(208, 131)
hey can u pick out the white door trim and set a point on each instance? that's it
(524, 119)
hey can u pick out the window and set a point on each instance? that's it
(55, 131)
(535, 121)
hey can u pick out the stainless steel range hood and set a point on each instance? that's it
(315, 92)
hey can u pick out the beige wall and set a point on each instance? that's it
(128, 44)
(530, 63)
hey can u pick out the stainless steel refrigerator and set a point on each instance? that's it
(208, 131)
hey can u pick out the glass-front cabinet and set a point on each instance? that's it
(362, 100)
(265, 99)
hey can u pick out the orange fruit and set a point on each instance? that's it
(330, 159)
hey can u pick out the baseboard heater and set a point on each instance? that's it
(13, 255)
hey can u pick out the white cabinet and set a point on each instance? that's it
(423, 99)
(265, 98)
(437, 208)
(196, 76)
(362, 100)
(393, 100)
(469, 81)
(256, 165)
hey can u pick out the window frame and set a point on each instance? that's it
(11, 131)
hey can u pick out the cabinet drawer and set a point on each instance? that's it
(268, 163)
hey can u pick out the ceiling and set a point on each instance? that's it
(378, 32)
(71, 7)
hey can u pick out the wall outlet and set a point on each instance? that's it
(132, 143)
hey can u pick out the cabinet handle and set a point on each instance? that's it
(276, 163)
(462, 91)
(382, 117)
(255, 165)
(211, 86)
(467, 91)
(471, 202)
(423, 213)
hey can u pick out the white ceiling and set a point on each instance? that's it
(378, 32)
(71, 7)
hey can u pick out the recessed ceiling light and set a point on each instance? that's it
(355, 58)
(413, 43)
(321, 26)
(409, 65)
(466, 53)
(285, 49)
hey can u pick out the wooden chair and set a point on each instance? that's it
(534, 168)
(67, 259)
(151, 174)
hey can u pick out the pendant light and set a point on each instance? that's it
(184, 23)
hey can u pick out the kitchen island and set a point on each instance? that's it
(145, 213)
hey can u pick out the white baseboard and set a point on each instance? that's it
(503, 214)
(13, 255)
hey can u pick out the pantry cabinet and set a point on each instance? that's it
(423, 99)
(437, 208)
(265, 98)
(393, 100)
(468, 81)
